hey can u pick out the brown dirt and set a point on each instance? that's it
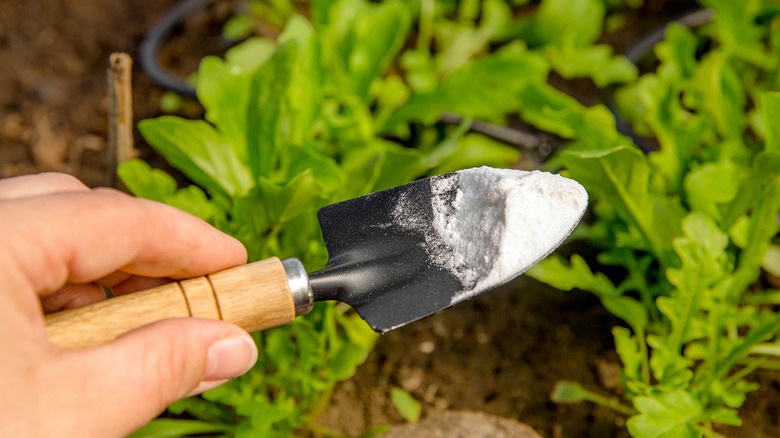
(500, 353)
(53, 59)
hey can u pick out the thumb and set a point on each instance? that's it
(133, 379)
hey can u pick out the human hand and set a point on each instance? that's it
(61, 242)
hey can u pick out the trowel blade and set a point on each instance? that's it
(404, 253)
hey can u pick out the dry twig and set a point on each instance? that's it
(120, 114)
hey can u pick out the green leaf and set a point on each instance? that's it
(170, 428)
(596, 62)
(710, 185)
(765, 329)
(268, 93)
(628, 309)
(284, 202)
(460, 41)
(194, 201)
(722, 94)
(201, 152)
(763, 225)
(324, 169)
(446, 149)
(307, 82)
(238, 27)
(578, 22)
(770, 106)
(665, 415)
(407, 406)
(146, 182)
(358, 331)
(483, 89)
(631, 354)
(577, 274)
(739, 32)
(554, 111)
(565, 391)
(771, 260)
(621, 176)
(171, 102)
(572, 392)
(223, 91)
(393, 94)
(476, 150)
(362, 38)
(702, 250)
(343, 365)
(250, 54)
(379, 165)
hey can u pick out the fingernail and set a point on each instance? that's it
(229, 358)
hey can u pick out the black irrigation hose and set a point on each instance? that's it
(645, 45)
(150, 46)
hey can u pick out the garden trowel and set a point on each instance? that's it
(395, 256)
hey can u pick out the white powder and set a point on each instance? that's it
(491, 225)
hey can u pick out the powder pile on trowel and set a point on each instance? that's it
(490, 225)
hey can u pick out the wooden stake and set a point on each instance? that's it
(120, 114)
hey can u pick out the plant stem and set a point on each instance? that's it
(709, 433)
(427, 11)
(769, 297)
(766, 365)
(747, 369)
(608, 402)
(640, 334)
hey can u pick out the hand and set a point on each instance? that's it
(60, 242)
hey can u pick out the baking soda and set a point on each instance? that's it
(491, 225)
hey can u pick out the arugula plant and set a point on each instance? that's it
(290, 126)
(691, 225)
(348, 102)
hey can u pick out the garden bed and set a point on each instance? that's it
(501, 353)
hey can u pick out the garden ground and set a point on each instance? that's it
(500, 353)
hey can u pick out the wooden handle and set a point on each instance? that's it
(255, 297)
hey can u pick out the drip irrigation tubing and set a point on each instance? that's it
(150, 47)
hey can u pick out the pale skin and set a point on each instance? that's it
(60, 243)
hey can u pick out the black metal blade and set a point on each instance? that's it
(377, 266)
(395, 259)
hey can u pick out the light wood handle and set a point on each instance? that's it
(255, 297)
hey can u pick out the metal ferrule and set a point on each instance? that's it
(298, 280)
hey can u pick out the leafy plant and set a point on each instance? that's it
(290, 126)
(349, 102)
(690, 225)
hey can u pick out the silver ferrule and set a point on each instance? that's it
(298, 279)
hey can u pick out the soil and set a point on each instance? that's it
(500, 353)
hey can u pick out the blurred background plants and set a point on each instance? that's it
(338, 98)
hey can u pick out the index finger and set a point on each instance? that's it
(84, 236)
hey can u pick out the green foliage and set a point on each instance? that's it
(290, 126)
(572, 392)
(168, 428)
(349, 102)
(407, 406)
(690, 225)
